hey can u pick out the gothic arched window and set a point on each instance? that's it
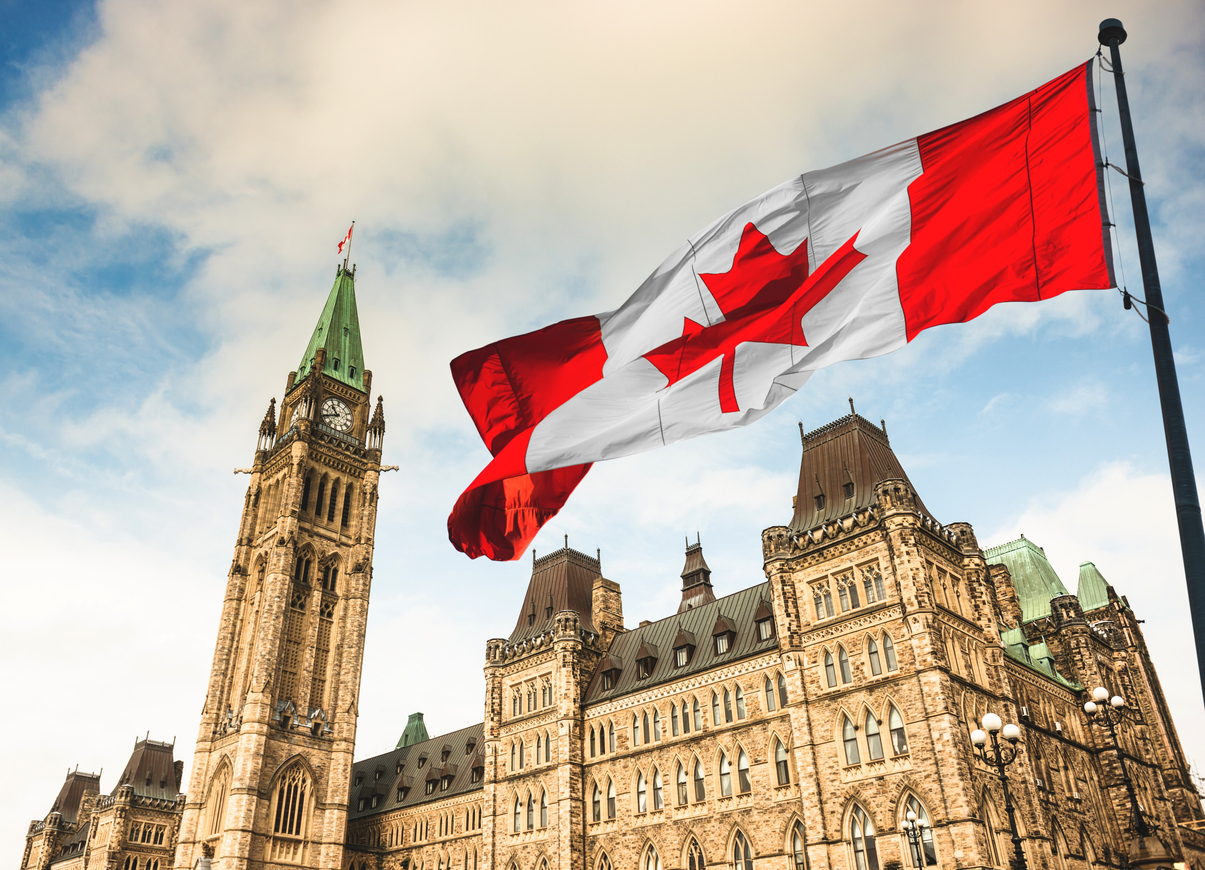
(611, 799)
(680, 775)
(635, 731)
(727, 706)
(611, 737)
(725, 776)
(698, 717)
(674, 728)
(694, 856)
(797, 851)
(330, 510)
(715, 710)
(889, 652)
(861, 834)
(518, 815)
(926, 849)
(596, 804)
(830, 670)
(781, 767)
(291, 815)
(656, 724)
(742, 855)
(843, 660)
(743, 783)
(740, 703)
(700, 790)
(874, 741)
(770, 705)
(644, 728)
(782, 691)
(658, 797)
(895, 724)
(531, 812)
(652, 861)
(850, 738)
(872, 653)
(641, 793)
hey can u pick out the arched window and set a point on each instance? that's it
(596, 804)
(320, 502)
(700, 791)
(330, 510)
(843, 661)
(770, 705)
(742, 855)
(740, 703)
(539, 748)
(656, 724)
(642, 805)
(531, 812)
(830, 670)
(872, 653)
(782, 691)
(635, 731)
(347, 494)
(604, 863)
(644, 728)
(658, 797)
(861, 834)
(926, 850)
(674, 728)
(780, 763)
(216, 805)
(895, 724)
(715, 709)
(889, 652)
(694, 856)
(291, 800)
(797, 851)
(611, 799)
(850, 738)
(652, 861)
(593, 748)
(874, 741)
(680, 776)
(727, 706)
(513, 749)
(743, 784)
(698, 716)
(518, 815)
(547, 748)
(611, 737)
(305, 493)
(522, 754)
(725, 776)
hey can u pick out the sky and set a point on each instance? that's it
(174, 179)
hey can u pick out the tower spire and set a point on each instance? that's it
(338, 333)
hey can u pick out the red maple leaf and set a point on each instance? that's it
(764, 296)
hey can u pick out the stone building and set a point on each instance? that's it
(133, 827)
(790, 725)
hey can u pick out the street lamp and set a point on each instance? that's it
(1107, 713)
(1000, 756)
(915, 831)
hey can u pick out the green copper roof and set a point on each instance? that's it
(1036, 657)
(338, 330)
(1093, 590)
(416, 732)
(1033, 576)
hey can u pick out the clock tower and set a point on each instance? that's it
(270, 778)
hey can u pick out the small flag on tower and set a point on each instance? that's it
(347, 239)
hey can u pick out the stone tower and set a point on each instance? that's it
(274, 753)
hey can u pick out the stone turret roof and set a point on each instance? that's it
(842, 463)
(67, 803)
(338, 330)
(1033, 576)
(1093, 589)
(562, 580)
(416, 731)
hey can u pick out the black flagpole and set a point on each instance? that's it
(1184, 483)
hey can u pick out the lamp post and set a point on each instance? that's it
(915, 831)
(1000, 756)
(1107, 713)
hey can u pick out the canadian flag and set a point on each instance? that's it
(347, 238)
(843, 263)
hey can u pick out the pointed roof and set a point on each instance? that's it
(562, 580)
(416, 732)
(842, 463)
(1033, 576)
(151, 770)
(395, 779)
(696, 579)
(338, 330)
(67, 804)
(1093, 589)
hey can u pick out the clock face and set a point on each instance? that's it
(336, 415)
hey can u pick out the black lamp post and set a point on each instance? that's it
(915, 832)
(1107, 713)
(1000, 755)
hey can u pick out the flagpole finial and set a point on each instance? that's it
(851, 405)
(1110, 30)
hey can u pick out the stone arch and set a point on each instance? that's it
(740, 848)
(291, 810)
(650, 856)
(217, 798)
(603, 861)
(910, 799)
(693, 857)
(859, 831)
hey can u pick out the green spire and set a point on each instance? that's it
(1093, 590)
(338, 331)
(1033, 576)
(416, 732)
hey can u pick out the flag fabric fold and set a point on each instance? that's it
(843, 263)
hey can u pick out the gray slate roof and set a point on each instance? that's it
(379, 775)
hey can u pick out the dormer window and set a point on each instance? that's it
(723, 634)
(608, 679)
(443, 756)
(336, 364)
(475, 774)
(400, 766)
(684, 648)
(763, 618)
(359, 779)
(644, 667)
(402, 791)
(721, 644)
(646, 660)
(765, 629)
(351, 372)
(848, 489)
(422, 759)
(819, 502)
(430, 786)
(611, 666)
(681, 657)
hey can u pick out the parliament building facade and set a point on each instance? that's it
(791, 725)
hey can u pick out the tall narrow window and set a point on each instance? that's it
(522, 754)
(926, 849)
(782, 691)
(539, 748)
(727, 706)
(635, 731)
(658, 796)
(725, 776)
(872, 653)
(611, 799)
(544, 810)
(216, 805)
(320, 502)
(330, 509)
(843, 661)
(742, 855)
(770, 705)
(895, 723)
(861, 831)
(305, 493)
(694, 856)
(547, 748)
(781, 768)
(830, 670)
(611, 737)
(850, 738)
(889, 652)
(743, 783)
(652, 861)
(518, 815)
(715, 709)
(874, 741)
(347, 493)
(674, 728)
(698, 716)
(656, 724)
(797, 852)
(291, 813)
(596, 804)
(740, 703)
(593, 748)
(680, 775)
(531, 812)
(700, 791)
(644, 728)
(642, 805)
(828, 601)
